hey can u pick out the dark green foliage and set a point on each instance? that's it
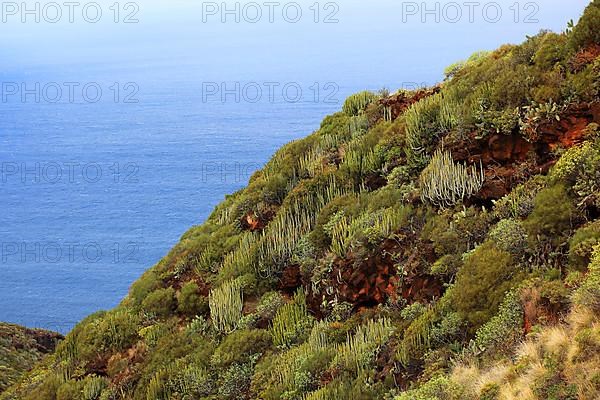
(144, 286)
(581, 246)
(504, 330)
(161, 302)
(240, 346)
(587, 30)
(189, 301)
(552, 213)
(486, 276)
(510, 235)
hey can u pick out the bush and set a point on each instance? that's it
(292, 322)
(161, 302)
(189, 301)
(504, 330)
(552, 213)
(426, 121)
(226, 304)
(520, 202)
(487, 274)
(588, 294)
(579, 169)
(438, 388)
(581, 246)
(235, 382)
(148, 282)
(587, 30)
(510, 235)
(240, 346)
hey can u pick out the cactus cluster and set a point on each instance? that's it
(360, 349)
(444, 182)
(226, 304)
(426, 121)
(357, 103)
(291, 321)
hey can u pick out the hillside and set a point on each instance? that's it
(21, 349)
(438, 244)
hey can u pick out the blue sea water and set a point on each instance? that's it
(93, 194)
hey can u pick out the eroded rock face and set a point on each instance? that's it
(401, 101)
(366, 280)
(510, 159)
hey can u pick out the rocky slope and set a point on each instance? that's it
(437, 244)
(21, 349)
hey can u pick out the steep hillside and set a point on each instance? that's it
(21, 349)
(436, 244)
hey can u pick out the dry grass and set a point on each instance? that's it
(574, 348)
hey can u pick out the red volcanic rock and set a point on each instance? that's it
(509, 159)
(291, 278)
(402, 100)
(585, 57)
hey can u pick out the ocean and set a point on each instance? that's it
(95, 189)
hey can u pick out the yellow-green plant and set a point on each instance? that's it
(356, 103)
(291, 321)
(93, 387)
(292, 360)
(360, 349)
(426, 121)
(226, 304)
(445, 183)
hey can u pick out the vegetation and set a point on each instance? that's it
(449, 251)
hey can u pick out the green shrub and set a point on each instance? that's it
(504, 330)
(582, 244)
(413, 311)
(588, 294)
(113, 332)
(487, 274)
(240, 346)
(148, 282)
(552, 214)
(235, 381)
(579, 169)
(70, 390)
(360, 349)
(93, 387)
(269, 304)
(161, 302)
(510, 235)
(520, 202)
(189, 301)
(587, 30)
(438, 388)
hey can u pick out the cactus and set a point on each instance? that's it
(93, 387)
(427, 120)
(356, 103)
(290, 321)
(387, 114)
(226, 304)
(360, 349)
(445, 183)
